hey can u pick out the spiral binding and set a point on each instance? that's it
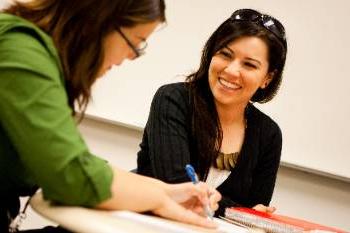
(269, 225)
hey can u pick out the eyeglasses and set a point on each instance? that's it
(268, 22)
(140, 50)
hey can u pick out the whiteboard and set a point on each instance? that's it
(3, 3)
(312, 107)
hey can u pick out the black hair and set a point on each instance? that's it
(205, 126)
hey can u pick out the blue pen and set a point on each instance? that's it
(194, 178)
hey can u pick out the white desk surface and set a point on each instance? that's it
(84, 220)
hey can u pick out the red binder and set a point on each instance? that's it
(274, 223)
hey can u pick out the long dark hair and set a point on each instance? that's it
(78, 28)
(205, 125)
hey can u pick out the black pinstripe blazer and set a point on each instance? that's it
(166, 148)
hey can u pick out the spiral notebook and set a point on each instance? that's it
(274, 223)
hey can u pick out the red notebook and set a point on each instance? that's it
(274, 223)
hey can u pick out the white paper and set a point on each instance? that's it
(225, 227)
(169, 227)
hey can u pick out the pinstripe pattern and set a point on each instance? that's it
(166, 148)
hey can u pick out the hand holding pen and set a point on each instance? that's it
(194, 178)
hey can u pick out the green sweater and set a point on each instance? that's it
(39, 140)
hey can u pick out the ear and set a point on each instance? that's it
(267, 80)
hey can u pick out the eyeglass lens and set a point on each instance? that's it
(138, 51)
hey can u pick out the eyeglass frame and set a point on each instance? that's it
(264, 20)
(138, 51)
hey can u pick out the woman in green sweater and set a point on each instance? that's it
(51, 53)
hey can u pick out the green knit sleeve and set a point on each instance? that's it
(35, 115)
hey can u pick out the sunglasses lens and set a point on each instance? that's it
(246, 15)
(274, 26)
(266, 21)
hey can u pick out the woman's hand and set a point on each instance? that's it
(194, 197)
(186, 201)
(181, 202)
(263, 208)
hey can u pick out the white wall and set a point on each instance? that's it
(4, 3)
(298, 194)
(312, 107)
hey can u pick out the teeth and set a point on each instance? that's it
(228, 84)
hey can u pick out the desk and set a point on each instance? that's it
(84, 220)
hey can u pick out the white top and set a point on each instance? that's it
(216, 177)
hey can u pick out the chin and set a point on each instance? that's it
(101, 73)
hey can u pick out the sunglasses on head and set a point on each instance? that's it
(268, 22)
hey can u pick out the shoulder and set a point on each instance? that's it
(23, 45)
(171, 99)
(10, 24)
(178, 88)
(267, 125)
(177, 92)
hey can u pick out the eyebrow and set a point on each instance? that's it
(228, 48)
(248, 58)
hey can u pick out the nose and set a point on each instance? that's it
(233, 69)
(131, 55)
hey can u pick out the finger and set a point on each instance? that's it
(260, 207)
(206, 195)
(174, 211)
(202, 192)
(271, 209)
(214, 205)
(198, 210)
(214, 194)
(184, 191)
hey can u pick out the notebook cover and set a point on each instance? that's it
(305, 225)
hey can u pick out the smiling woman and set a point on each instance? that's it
(211, 122)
